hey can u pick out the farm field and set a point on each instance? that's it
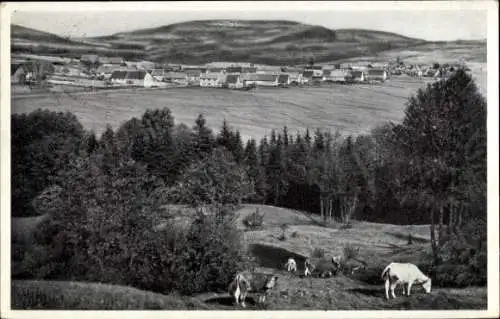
(348, 108)
(379, 245)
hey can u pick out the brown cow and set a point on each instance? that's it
(251, 282)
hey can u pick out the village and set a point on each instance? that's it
(100, 72)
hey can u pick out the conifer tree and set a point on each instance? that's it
(203, 140)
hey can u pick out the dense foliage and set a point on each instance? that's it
(112, 191)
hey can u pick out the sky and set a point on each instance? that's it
(444, 24)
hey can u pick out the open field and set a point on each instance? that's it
(348, 108)
(379, 245)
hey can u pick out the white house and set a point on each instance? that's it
(357, 76)
(233, 81)
(146, 65)
(260, 79)
(295, 77)
(337, 76)
(209, 80)
(283, 79)
(193, 76)
(139, 78)
(133, 78)
(158, 74)
(376, 75)
(176, 77)
(118, 77)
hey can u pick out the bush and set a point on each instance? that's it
(461, 265)
(283, 227)
(213, 254)
(43, 142)
(349, 251)
(254, 220)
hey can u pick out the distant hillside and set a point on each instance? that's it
(272, 42)
(18, 32)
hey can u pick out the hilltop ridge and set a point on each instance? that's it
(275, 42)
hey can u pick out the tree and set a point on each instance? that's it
(154, 144)
(443, 139)
(42, 144)
(203, 139)
(307, 138)
(101, 222)
(225, 138)
(251, 161)
(285, 137)
(237, 147)
(319, 143)
(216, 182)
(276, 171)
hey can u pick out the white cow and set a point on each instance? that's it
(291, 265)
(404, 273)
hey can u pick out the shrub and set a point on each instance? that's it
(410, 239)
(254, 220)
(318, 253)
(43, 142)
(461, 265)
(295, 234)
(349, 251)
(213, 254)
(283, 227)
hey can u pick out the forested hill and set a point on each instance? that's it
(274, 42)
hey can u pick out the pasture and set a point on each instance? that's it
(350, 109)
(379, 245)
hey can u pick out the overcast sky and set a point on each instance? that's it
(433, 24)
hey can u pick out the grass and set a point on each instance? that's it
(28, 294)
(379, 245)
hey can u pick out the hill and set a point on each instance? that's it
(273, 42)
(18, 32)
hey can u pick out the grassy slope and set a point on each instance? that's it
(31, 294)
(44, 43)
(379, 243)
(273, 42)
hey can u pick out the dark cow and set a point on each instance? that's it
(247, 282)
(322, 266)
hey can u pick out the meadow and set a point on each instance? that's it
(379, 245)
(351, 109)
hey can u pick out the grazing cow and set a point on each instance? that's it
(404, 273)
(336, 260)
(324, 267)
(291, 265)
(352, 266)
(250, 282)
